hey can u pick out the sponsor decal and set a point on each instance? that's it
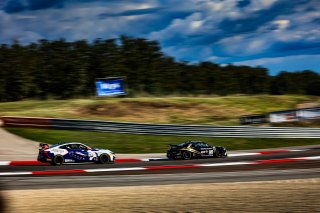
(79, 153)
(78, 156)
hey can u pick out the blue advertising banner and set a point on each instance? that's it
(110, 87)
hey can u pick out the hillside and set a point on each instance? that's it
(217, 110)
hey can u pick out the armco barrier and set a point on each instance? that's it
(171, 129)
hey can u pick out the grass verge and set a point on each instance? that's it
(128, 143)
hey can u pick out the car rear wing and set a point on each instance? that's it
(43, 146)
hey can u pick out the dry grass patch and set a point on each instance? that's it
(162, 112)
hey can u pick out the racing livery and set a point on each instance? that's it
(73, 152)
(195, 149)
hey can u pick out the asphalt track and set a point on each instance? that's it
(273, 166)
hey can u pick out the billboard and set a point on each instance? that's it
(308, 113)
(110, 86)
(253, 119)
(283, 116)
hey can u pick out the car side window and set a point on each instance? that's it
(197, 145)
(74, 146)
(204, 145)
(64, 147)
(82, 147)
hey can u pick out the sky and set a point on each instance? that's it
(275, 34)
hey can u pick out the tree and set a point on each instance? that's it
(61, 69)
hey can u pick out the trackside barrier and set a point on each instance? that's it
(10, 121)
(166, 129)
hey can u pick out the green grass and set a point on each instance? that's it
(127, 143)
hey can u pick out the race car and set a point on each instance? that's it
(73, 152)
(195, 149)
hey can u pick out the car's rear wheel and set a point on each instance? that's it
(218, 154)
(57, 160)
(103, 159)
(186, 155)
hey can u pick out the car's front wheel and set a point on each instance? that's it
(57, 160)
(220, 154)
(186, 155)
(103, 159)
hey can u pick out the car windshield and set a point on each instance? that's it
(184, 144)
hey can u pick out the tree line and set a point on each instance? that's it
(61, 69)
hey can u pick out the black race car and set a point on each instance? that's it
(195, 149)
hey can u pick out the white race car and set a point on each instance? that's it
(73, 152)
